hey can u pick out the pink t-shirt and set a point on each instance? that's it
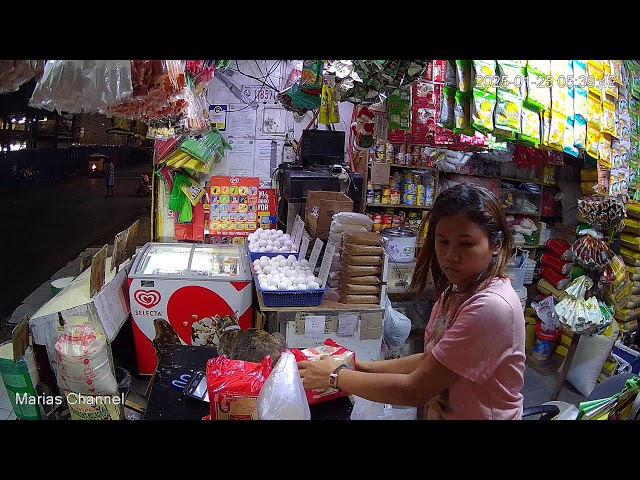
(485, 345)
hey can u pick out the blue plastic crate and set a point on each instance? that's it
(256, 255)
(292, 298)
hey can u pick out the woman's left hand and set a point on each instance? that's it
(315, 374)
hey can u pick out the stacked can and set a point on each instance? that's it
(401, 152)
(412, 221)
(380, 154)
(369, 192)
(409, 189)
(377, 221)
(387, 218)
(416, 155)
(389, 155)
(385, 196)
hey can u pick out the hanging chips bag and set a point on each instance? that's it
(509, 74)
(608, 117)
(593, 140)
(446, 115)
(483, 104)
(539, 92)
(546, 127)
(450, 74)
(463, 75)
(483, 73)
(507, 112)
(604, 148)
(579, 132)
(530, 125)
(462, 114)
(557, 130)
(568, 145)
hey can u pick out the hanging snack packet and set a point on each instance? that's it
(557, 129)
(462, 114)
(530, 125)
(610, 88)
(450, 74)
(539, 92)
(604, 149)
(593, 140)
(483, 73)
(568, 145)
(463, 75)
(594, 109)
(615, 153)
(541, 66)
(446, 115)
(546, 127)
(399, 109)
(483, 104)
(608, 117)
(311, 79)
(510, 79)
(507, 113)
(579, 132)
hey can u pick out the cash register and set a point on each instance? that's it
(321, 166)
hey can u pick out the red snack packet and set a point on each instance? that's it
(233, 387)
(340, 353)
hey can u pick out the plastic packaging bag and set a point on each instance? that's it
(15, 73)
(364, 409)
(282, 396)
(397, 326)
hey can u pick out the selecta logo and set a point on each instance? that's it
(147, 298)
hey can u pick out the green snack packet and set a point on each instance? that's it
(463, 75)
(399, 109)
(462, 114)
(483, 104)
(539, 90)
(446, 114)
(483, 75)
(507, 112)
(530, 125)
(510, 77)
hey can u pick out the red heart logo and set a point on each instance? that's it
(147, 298)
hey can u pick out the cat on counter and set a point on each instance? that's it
(249, 344)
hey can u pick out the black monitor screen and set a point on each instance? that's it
(324, 147)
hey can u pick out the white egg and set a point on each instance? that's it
(263, 263)
(288, 243)
(272, 287)
(274, 282)
(283, 263)
(261, 276)
(282, 286)
(277, 277)
(269, 243)
(277, 244)
(295, 264)
(251, 237)
(262, 243)
(279, 232)
(290, 273)
(301, 286)
(286, 281)
(258, 231)
(300, 279)
(291, 259)
(286, 236)
(304, 262)
(256, 262)
(262, 249)
(291, 287)
(269, 276)
(264, 236)
(284, 249)
(268, 248)
(264, 257)
(310, 278)
(313, 285)
(279, 257)
(267, 269)
(294, 248)
(264, 285)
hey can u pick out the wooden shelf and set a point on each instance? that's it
(388, 205)
(411, 167)
(524, 214)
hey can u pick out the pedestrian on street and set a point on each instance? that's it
(110, 176)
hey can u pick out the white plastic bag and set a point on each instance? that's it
(397, 326)
(282, 396)
(364, 409)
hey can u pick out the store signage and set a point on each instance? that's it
(147, 298)
(233, 210)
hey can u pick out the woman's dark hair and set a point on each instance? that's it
(482, 208)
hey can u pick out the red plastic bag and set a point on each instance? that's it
(233, 387)
(334, 349)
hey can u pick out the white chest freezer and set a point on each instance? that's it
(179, 287)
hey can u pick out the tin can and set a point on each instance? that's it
(385, 199)
(395, 197)
(420, 195)
(393, 183)
(417, 178)
(386, 191)
(397, 221)
(409, 198)
(369, 196)
(389, 152)
(377, 222)
(407, 177)
(380, 151)
(387, 221)
(376, 195)
(401, 151)
(409, 188)
(388, 211)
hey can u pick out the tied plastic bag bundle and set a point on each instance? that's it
(582, 315)
(233, 387)
(15, 73)
(77, 86)
(545, 309)
(83, 361)
(591, 251)
(282, 397)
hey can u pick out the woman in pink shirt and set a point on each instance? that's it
(474, 357)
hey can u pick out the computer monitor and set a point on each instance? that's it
(321, 147)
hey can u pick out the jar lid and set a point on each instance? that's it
(398, 232)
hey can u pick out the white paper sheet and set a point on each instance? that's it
(314, 326)
(347, 325)
(240, 158)
(267, 158)
(241, 120)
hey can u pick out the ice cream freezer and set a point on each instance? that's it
(177, 288)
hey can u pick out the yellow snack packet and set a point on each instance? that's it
(595, 75)
(593, 140)
(542, 66)
(604, 149)
(507, 113)
(557, 130)
(594, 109)
(546, 127)
(608, 116)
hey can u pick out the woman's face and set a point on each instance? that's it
(462, 249)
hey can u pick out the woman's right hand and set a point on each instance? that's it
(362, 366)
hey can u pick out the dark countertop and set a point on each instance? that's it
(168, 403)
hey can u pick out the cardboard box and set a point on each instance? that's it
(321, 206)
(565, 232)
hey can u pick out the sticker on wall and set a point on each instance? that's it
(218, 116)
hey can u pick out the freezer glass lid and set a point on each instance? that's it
(165, 260)
(216, 260)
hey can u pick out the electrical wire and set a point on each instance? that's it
(264, 84)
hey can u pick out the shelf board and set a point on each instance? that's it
(500, 177)
(525, 214)
(411, 167)
(388, 205)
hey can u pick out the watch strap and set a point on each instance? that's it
(333, 376)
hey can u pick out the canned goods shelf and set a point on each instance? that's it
(388, 205)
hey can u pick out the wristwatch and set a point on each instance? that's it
(333, 376)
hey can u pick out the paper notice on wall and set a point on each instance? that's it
(240, 158)
(267, 157)
(315, 253)
(347, 325)
(314, 326)
(325, 266)
(241, 120)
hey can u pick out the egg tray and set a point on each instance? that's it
(289, 298)
(256, 255)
